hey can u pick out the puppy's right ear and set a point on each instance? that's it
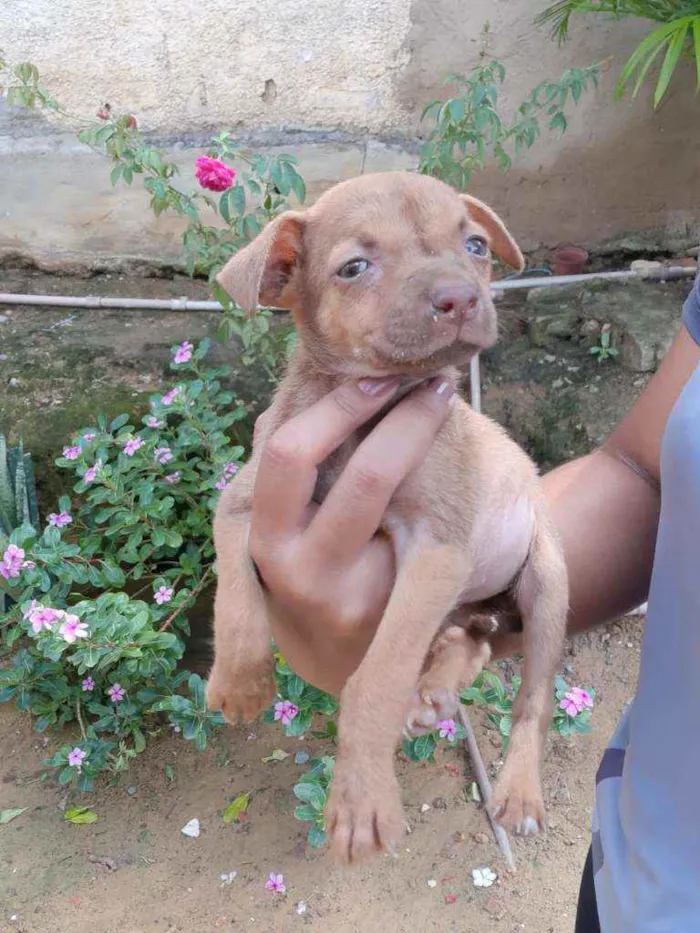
(259, 273)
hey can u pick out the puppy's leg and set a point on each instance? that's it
(542, 597)
(241, 683)
(364, 812)
(456, 658)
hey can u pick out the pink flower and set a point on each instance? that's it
(88, 684)
(89, 437)
(154, 422)
(163, 594)
(275, 883)
(214, 174)
(71, 453)
(73, 629)
(448, 729)
(222, 483)
(132, 446)
(60, 520)
(91, 473)
(28, 565)
(12, 562)
(34, 606)
(163, 455)
(171, 396)
(230, 469)
(582, 697)
(183, 354)
(286, 711)
(76, 758)
(44, 617)
(173, 478)
(116, 693)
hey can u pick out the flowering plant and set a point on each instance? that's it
(573, 706)
(99, 598)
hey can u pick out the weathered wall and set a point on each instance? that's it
(354, 73)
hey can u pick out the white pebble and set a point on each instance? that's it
(432, 883)
(191, 829)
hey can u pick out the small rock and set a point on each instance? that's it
(13, 382)
(425, 807)
(432, 883)
(132, 790)
(548, 358)
(191, 829)
(227, 877)
(480, 837)
(645, 265)
(301, 758)
(301, 908)
(440, 803)
(493, 906)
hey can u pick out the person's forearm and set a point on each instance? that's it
(607, 516)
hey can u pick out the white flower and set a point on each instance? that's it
(483, 877)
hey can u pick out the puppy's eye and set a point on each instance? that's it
(477, 246)
(354, 268)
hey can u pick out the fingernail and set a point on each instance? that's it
(378, 386)
(443, 387)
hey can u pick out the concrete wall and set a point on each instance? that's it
(353, 76)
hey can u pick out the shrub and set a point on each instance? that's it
(100, 597)
(677, 37)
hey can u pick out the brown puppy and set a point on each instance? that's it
(389, 274)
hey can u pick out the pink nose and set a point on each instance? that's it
(457, 299)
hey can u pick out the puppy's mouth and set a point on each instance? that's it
(422, 362)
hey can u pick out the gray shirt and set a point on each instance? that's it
(646, 824)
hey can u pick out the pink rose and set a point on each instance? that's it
(214, 174)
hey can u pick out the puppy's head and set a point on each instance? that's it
(386, 273)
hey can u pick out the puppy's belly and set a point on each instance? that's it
(498, 547)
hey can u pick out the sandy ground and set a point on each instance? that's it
(134, 872)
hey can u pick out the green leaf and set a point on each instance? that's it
(278, 755)
(312, 794)
(236, 807)
(317, 837)
(7, 816)
(306, 813)
(424, 747)
(80, 815)
(672, 55)
(294, 687)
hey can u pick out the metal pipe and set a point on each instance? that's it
(664, 274)
(671, 273)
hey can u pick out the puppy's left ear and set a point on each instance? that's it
(262, 272)
(499, 239)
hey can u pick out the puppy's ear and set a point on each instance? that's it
(260, 272)
(500, 241)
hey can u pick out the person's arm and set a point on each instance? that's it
(606, 505)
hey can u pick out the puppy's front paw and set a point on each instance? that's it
(518, 806)
(241, 692)
(364, 814)
(431, 705)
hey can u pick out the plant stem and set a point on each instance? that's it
(79, 716)
(200, 586)
(485, 787)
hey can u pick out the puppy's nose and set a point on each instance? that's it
(457, 299)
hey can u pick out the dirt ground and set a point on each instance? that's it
(133, 871)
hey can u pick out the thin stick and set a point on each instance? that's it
(482, 779)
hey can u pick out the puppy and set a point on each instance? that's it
(389, 274)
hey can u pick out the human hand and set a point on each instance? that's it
(327, 572)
